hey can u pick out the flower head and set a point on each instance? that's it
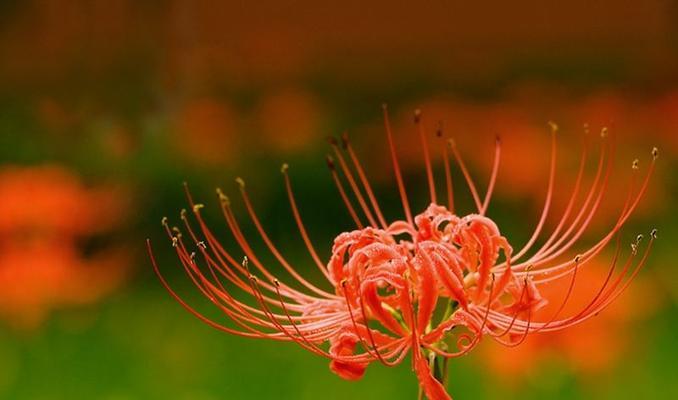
(431, 285)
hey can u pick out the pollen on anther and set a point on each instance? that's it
(197, 207)
(635, 163)
(284, 168)
(222, 197)
(653, 233)
(655, 153)
(603, 132)
(240, 182)
(163, 221)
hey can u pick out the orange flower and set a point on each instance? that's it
(435, 283)
(46, 211)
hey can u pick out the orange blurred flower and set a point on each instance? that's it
(205, 131)
(289, 120)
(47, 212)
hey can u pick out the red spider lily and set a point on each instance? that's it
(430, 285)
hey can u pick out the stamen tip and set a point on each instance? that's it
(653, 233)
(635, 164)
(330, 161)
(163, 221)
(603, 132)
(197, 207)
(553, 126)
(577, 258)
(655, 153)
(240, 182)
(284, 168)
(417, 116)
(344, 140)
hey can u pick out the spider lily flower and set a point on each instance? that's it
(430, 285)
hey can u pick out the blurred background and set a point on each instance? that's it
(107, 107)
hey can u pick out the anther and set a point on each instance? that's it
(175, 241)
(553, 126)
(451, 143)
(603, 132)
(417, 116)
(192, 256)
(223, 198)
(240, 182)
(634, 249)
(655, 153)
(344, 140)
(586, 128)
(182, 213)
(276, 282)
(163, 221)
(653, 233)
(201, 244)
(639, 238)
(176, 230)
(197, 207)
(635, 163)
(577, 258)
(284, 168)
(330, 162)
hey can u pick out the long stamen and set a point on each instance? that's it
(469, 180)
(300, 225)
(342, 192)
(448, 174)
(396, 166)
(493, 176)
(352, 183)
(273, 249)
(549, 195)
(363, 178)
(427, 157)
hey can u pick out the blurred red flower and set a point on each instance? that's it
(47, 213)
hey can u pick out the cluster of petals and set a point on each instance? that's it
(430, 285)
